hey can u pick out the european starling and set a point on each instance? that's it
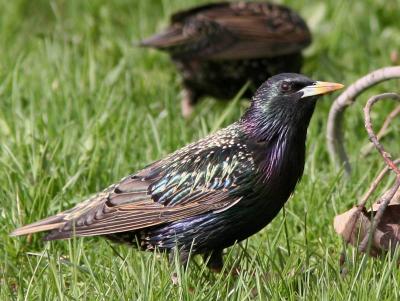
(212, 193)
(220, 47)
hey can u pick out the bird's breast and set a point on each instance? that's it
(280, 167)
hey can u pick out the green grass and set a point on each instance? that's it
(80, 107)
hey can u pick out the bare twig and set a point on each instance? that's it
(374, 240)
(377, 219)
(389, 162)
(375, 184)
(334, 133)
(372, 136)
(383, 130)
(361, 204)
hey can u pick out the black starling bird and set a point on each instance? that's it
(212, 193)
(219, 47)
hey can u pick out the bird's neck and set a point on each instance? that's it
(273, 124)
(279, 141)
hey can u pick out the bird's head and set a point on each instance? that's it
(285, 100)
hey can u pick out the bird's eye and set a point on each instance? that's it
(285, 86)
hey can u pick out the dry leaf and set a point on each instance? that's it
(353, 225)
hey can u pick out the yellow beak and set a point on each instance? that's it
(318, 88)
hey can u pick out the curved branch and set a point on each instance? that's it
(386, 157)
(372, 242)
(377, 219)
(334, 133)
(374, 184)
(382, 132)
(372, 136)
(363, 201)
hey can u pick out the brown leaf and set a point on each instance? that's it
(353, 225)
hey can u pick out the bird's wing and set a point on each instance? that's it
(185, 27)
(182, 15)
(234, 31)
(180, 186)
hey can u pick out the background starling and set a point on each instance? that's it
(211, 193)
(219, 47)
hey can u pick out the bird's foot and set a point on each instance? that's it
(215, 269)
(175, 279)
(180, 258)
(187, 103)
(214, 260)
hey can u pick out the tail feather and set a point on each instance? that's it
(169, 38)
(48, 224)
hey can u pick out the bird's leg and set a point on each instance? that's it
(182, 258)
(214, 260)
(215, 263)
(189, 98)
